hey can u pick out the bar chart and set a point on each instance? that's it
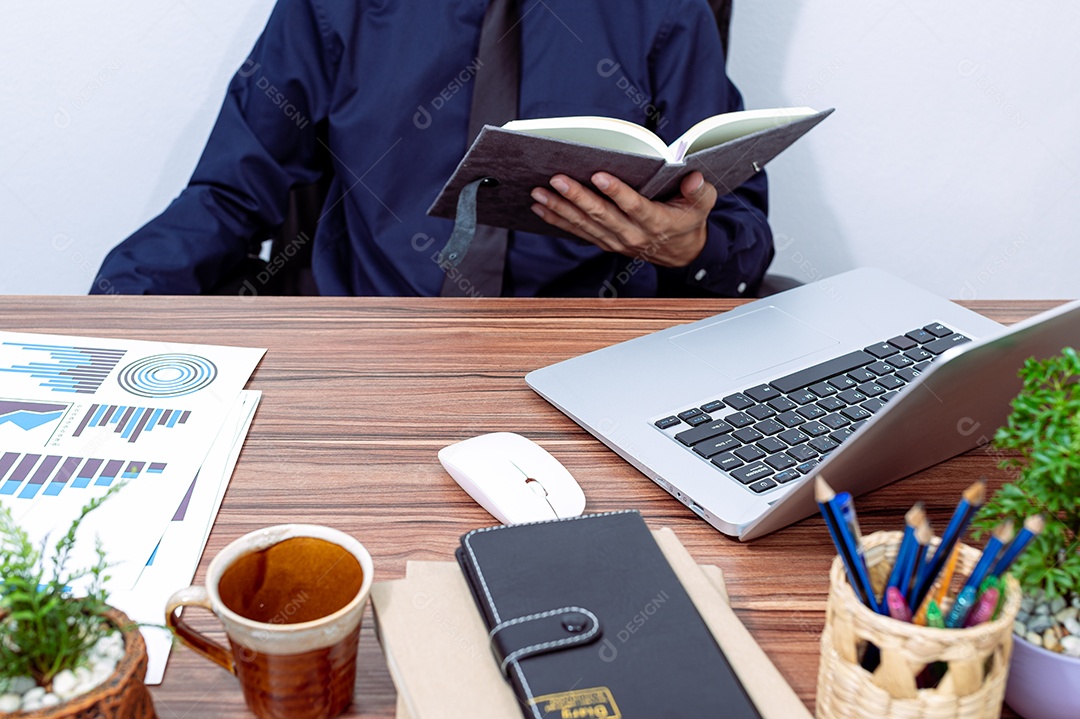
(130, 422)
(78, 370)
(25, 476)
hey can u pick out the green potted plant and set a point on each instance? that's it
(1042, 439)
(62, 655)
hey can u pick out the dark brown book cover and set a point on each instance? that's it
(522, 161)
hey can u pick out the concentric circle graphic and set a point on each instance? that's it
(170, 375)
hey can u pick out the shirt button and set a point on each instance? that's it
(741, 288)
(700, 275)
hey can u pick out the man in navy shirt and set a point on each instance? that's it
(389, 81)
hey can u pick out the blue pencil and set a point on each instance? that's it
(923, 535)
(973, 498)
(850, 553)
(998, 539)
(1033, 527)
(905, 554)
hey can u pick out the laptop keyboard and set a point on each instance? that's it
(771, 434)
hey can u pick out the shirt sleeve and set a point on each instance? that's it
(691, 84)
(263, 143)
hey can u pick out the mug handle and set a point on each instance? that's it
(196, 597)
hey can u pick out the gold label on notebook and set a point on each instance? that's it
(595, 703)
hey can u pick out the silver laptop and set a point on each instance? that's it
(862, 378)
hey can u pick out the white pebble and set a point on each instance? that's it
(1071, 646)
(50, 700)
(1019, 628)
(1042, 609)
(1066, 614)
(10, 703)
(1034, 638)
(1076, 601)
(1072, 626)
(64, 684)
(1057, 605)
(34, 695)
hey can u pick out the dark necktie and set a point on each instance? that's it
(494, 102)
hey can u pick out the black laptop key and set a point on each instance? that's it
(940, 345)
(888, 395)
(698, 419)
(769, 426)
(706, 431)
(786, 476)
(762, 485)
(855, 413)
(824, 444)
(823, 371)
(903, 342)
(872, 405)
(738, 401)
(882, 350)
(771, 445)
(805, 467)
(694, 412)
(918, 354)
(852, 396)
(822, 389)
(802, 452)
(667, 422)
(761, 393)
(900, 361)
(880, 368)
(938, 330)
(835, 421)
(891, 381)
(858, 424)
(831, 404)
(907, 374)
(739, 420)
(841, 434)
(761, 411)
(803, 396)
(749, 453)
(871, 389)
(712, 447)
(752, 472)
(921, 367)
(813, 429)
(714, 406)
(793, 436)
(747, 435)
(790, 419)
(810, 411)
(861, 375)
(920, 336)
(842, 382)
(780, 461)
(781, 404)
(727, 461)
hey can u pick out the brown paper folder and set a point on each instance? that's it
(436, 644)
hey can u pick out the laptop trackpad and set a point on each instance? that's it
(752, 342)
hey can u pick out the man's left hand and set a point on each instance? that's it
(669, 234)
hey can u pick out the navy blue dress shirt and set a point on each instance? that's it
(390, 82)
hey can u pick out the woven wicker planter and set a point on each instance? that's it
(977, 657)
(121, 696)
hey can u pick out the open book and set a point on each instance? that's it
(727, 149)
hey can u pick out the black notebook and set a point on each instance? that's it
(587, 619)
(525, 154)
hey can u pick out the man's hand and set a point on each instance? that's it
(669, 234)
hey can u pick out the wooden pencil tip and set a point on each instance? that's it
(976, 493)
(923, 533)
(1035, 524)
(1004, 532)
(822, 490)
(916, 515)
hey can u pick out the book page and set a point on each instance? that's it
(606, 132)
(717, 130)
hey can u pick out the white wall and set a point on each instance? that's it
(953, 158)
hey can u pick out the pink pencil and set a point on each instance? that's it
(983, 609)
(898, 608)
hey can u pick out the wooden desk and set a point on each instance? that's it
(360, 394)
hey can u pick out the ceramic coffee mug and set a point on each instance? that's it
(290, 598)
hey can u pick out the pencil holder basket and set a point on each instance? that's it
(976, 659)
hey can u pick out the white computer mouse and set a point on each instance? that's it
(513, 477)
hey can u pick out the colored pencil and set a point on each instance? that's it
(984, 608)
(961, 607)
(898, 608)
(943, 587)
(923, 535)
(933, 616)
(1033, 527)
(905, 555)
(973, 498)
(850, 553)
(1002, 535)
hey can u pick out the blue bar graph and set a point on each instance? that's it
(79, 370)
(130, 422)
(26, 476)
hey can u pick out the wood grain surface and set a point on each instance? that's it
(360, 394)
